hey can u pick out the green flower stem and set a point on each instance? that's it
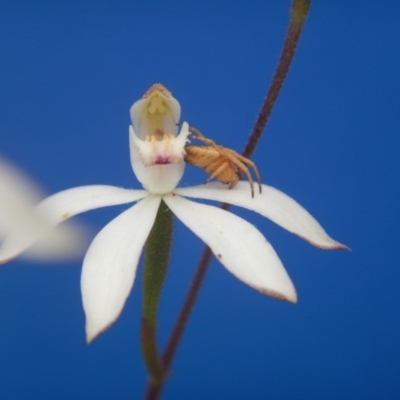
(157, 252)
(298, 15)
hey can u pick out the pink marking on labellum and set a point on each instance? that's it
(162, 160)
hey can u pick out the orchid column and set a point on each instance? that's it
(158, 167)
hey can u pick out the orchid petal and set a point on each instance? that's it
(62, 243)
(110, 265)
(60, 207)
(18, 198)
(238, 245)
(271, 203)
(70, 202)
(18, 195)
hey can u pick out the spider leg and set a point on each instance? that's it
(242, 167)
(233, 184)
(246, 161)
(219, 168)
(196, 132)
(199, 136)
(239, 161)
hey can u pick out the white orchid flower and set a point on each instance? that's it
(157, 152)
(21, 223)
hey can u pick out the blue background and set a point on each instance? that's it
(69, 73)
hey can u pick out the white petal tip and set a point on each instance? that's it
(289, 297)
(341, 246)
(93, 333)
(332, 245)
(6, 260)
(89, 340)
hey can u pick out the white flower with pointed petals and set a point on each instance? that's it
(110, 264)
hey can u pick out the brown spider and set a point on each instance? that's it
(220, 162)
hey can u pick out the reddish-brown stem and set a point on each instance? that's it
(155, 388)
(298, 15)
(149, 350)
